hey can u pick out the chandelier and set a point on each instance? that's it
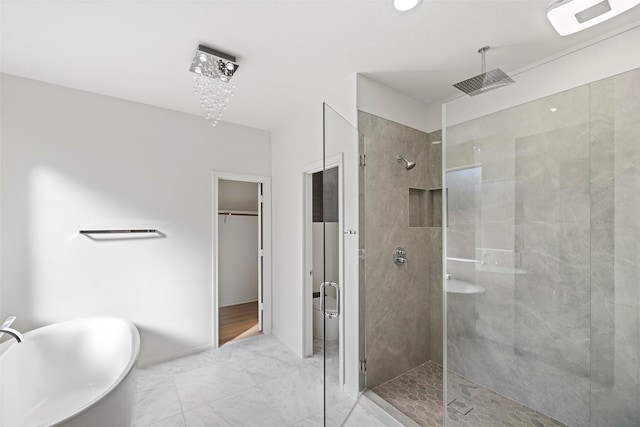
(213, 70)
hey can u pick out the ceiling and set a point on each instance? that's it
(289, 51)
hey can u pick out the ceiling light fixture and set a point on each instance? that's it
(405, 5)
(213, 70)
(571, 16)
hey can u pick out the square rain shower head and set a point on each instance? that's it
(484, 82)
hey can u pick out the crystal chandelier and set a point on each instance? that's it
(213, 70)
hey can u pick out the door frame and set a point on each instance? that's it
(266, 241)
(307, 221)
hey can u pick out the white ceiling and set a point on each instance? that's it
(288, 51)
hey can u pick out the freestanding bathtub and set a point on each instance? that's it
(77, 373)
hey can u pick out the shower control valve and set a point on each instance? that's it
(400, 256)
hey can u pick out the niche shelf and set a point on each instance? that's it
(425, 207)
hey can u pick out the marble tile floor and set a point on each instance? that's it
(418, 394)
(257, 381)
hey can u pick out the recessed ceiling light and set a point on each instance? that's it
(571, 16)
(405, 5)
(553, 109)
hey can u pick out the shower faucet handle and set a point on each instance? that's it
(400, 256)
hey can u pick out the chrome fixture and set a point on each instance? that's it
(213, 70)
(406, 5)
(329, 313)
(486, 81)
(408, 165)
(127, 231)
(571, 16)
(5, 329)
(400, 256)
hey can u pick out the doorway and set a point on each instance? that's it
(239, 294)
(323, 331)
(325, 260)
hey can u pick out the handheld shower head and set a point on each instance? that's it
(408, 165)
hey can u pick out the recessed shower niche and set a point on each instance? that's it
(425, 207)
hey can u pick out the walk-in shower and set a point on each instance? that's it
(544, 217)
(541, 232)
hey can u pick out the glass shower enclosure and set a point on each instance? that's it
(543, 261)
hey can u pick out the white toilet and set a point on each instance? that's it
(331, 325)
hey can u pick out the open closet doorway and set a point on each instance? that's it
(239, 296)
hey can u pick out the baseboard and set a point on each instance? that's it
(143, 363)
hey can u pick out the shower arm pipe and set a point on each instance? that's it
(482, 52)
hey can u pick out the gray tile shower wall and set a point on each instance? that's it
(615, 254)
(545, 207)
(403, 303)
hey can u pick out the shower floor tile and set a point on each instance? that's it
(418, 394)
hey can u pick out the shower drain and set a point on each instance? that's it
(460, 405)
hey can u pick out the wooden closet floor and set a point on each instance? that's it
(238, 321)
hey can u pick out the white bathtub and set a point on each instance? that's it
(76, 373)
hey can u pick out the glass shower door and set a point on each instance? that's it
(340, 292)
(543, 233)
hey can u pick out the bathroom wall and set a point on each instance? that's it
(383, 101)
(73, 160)
(615, 250)
(552, 224)
(403, 303)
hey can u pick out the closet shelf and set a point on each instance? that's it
(235, 213)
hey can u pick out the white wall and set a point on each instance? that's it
(237, 196)
(237, 259)
(73, 160)
(382, 101)
(611, 56)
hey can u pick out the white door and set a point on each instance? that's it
(260, 258)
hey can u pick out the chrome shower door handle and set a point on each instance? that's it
(330, 313)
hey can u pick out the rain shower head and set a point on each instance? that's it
(486, 81)
(408, 165)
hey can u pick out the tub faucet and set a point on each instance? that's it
(5, 329)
